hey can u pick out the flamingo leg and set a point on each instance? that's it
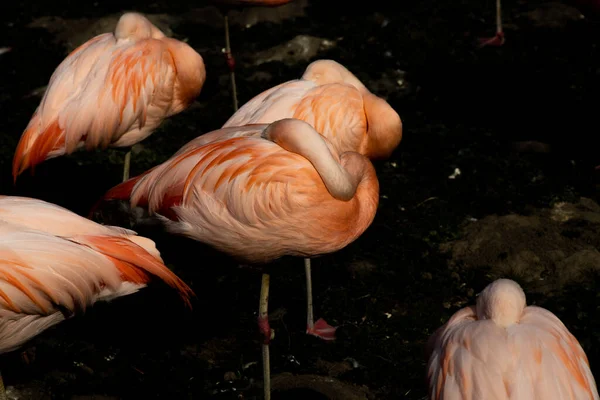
(231, 64)
(126, 165)
(321, 328)
(497, 40)
(263, 324)
(2, 390)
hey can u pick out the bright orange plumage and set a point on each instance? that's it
(114, 90)
(54, 263)
(259, 199)
(335, 103)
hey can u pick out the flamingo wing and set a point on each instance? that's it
(218, 169)
(535, 359)
(50, 218)
(336, 111)
(99, 93)
(274, 104)
(551, 362)
(44, 279)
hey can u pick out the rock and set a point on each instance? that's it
(247, 16)
(302, 48)
(331, 388)
(74, 32)
(334, 369)
(553, 14)
(546, 250)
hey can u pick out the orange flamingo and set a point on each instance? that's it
(335, 103)
(502, 349)
(225, 6)
(55, 264)
(278, 189)
(114, 90)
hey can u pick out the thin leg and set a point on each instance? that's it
(263, 324)
(2, 390)
(321, 328)
(231, 64)
(497, 40)
(126, 165)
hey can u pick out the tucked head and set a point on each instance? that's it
(136, 26)
(323, 72)
(502, 301)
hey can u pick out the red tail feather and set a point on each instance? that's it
(40, 145)
(120, 192)
(134, 262)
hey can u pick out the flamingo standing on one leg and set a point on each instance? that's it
(114, 90)
(502, 349)
(339, 107)
(225, 6)
(54, 264)
(258, 198)
(498, 39)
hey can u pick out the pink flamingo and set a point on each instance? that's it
(55, 264)
(502, 349)
(335, 103)
(275, 190)
(114, 90)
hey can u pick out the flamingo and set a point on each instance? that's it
(113, 90)
(225, 6)
(336, 103)
(54, 264)
(278, 189)
(502, 349)
(340, 107)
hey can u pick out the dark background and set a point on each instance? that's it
(462, 107)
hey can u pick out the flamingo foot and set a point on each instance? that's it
(495, 41)
(322, 329)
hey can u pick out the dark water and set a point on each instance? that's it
(461, 108)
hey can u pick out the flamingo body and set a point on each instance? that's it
(258, 199)
(54, 264)
(335, 103)
(502, 349)
(114, 90)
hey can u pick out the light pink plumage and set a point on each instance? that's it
(54, 264)
(259, 198)
(114, 90)
(336, 104)
(502, 349)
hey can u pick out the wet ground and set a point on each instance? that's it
(461, 204)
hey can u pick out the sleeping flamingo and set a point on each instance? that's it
(225, 6)
(335, 103)
(114, 90)
(502, 349)
(55, 264)
(275, 190)
(339, 107)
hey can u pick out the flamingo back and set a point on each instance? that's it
(110, 92)
(537, 358)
